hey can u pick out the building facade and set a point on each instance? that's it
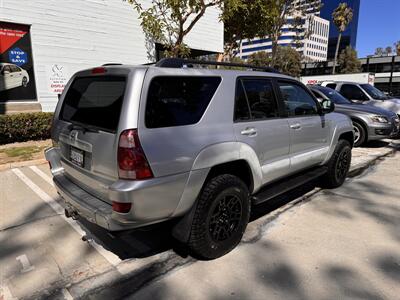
(310, 40)
(349, 37)
(47, 41)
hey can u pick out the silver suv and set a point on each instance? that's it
(137, 145)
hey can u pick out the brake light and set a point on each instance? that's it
(132, 162)
(120, 207)
(99, 70)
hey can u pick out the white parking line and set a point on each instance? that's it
(67, 295)
(42, 174)
(26, 265)
(109, 256)
(5, 293)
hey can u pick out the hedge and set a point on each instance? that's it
(23, 127)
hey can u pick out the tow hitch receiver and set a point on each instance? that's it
(70, 213)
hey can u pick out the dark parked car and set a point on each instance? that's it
(370, 123)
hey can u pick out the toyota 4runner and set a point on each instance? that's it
(137, 145)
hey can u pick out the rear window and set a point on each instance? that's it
(95, 101)
(177, 101)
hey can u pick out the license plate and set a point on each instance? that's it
(77, 156)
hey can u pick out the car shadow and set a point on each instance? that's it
(156, 239)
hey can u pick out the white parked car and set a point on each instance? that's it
(12, 76)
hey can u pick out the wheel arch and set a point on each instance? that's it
(363, 124)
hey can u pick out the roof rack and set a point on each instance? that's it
(111, 64)
(188, 63)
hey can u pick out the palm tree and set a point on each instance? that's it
(341, 17)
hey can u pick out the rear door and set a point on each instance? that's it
(258, 123)
(309, 131)
(89, 118)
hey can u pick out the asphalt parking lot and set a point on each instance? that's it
(294, 246)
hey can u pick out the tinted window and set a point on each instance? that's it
(298, 102)
(261, 98)
(14, 68)
(352, 92)
(374, 92)
(94, 101)
(177, 101)
(242, 109)
(331, 85)
(6, 69)
(333, 95)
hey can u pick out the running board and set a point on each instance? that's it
(284, 185)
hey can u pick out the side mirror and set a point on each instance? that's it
(327, 106)
(5, 72)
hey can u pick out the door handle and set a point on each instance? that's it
(295, 126)
(249, 131)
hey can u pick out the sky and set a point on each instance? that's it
(379, 25)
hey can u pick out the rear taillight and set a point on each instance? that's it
(120, 207)
(132, 162)
(99, 70)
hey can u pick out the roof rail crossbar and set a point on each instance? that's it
(111, 64)
(181, 63)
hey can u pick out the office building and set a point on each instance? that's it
(349, 37)
(311, 40)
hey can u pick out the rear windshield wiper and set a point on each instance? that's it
(84, 129)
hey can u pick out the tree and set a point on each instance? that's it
(388, 51)
(287, 60)
(169, 21)
(379, 51)
(244, 19)
(397, 47)
(348, 61)
(260, 59)
(279, 13)
(342, 17)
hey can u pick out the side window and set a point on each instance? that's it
(255, 99)
(6, 69)
(331, 85)
(242, 109)
(178, 100)
(14, 68)
(298, 102)
(261, 98)
(352, 92)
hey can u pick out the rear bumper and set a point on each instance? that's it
(85, 205)
(154, 200)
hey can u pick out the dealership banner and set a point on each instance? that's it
(17, 79)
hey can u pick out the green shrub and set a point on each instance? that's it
(23, 127)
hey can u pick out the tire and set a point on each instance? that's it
(338, 166)
(220, 218)
(24, 82)
(360, 134)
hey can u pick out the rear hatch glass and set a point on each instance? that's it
(95, 101)
(93, 106)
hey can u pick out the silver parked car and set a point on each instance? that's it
(370, 123)
(137, 145)
(365, 93)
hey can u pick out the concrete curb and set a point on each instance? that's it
(370, 160)
(22, 164)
